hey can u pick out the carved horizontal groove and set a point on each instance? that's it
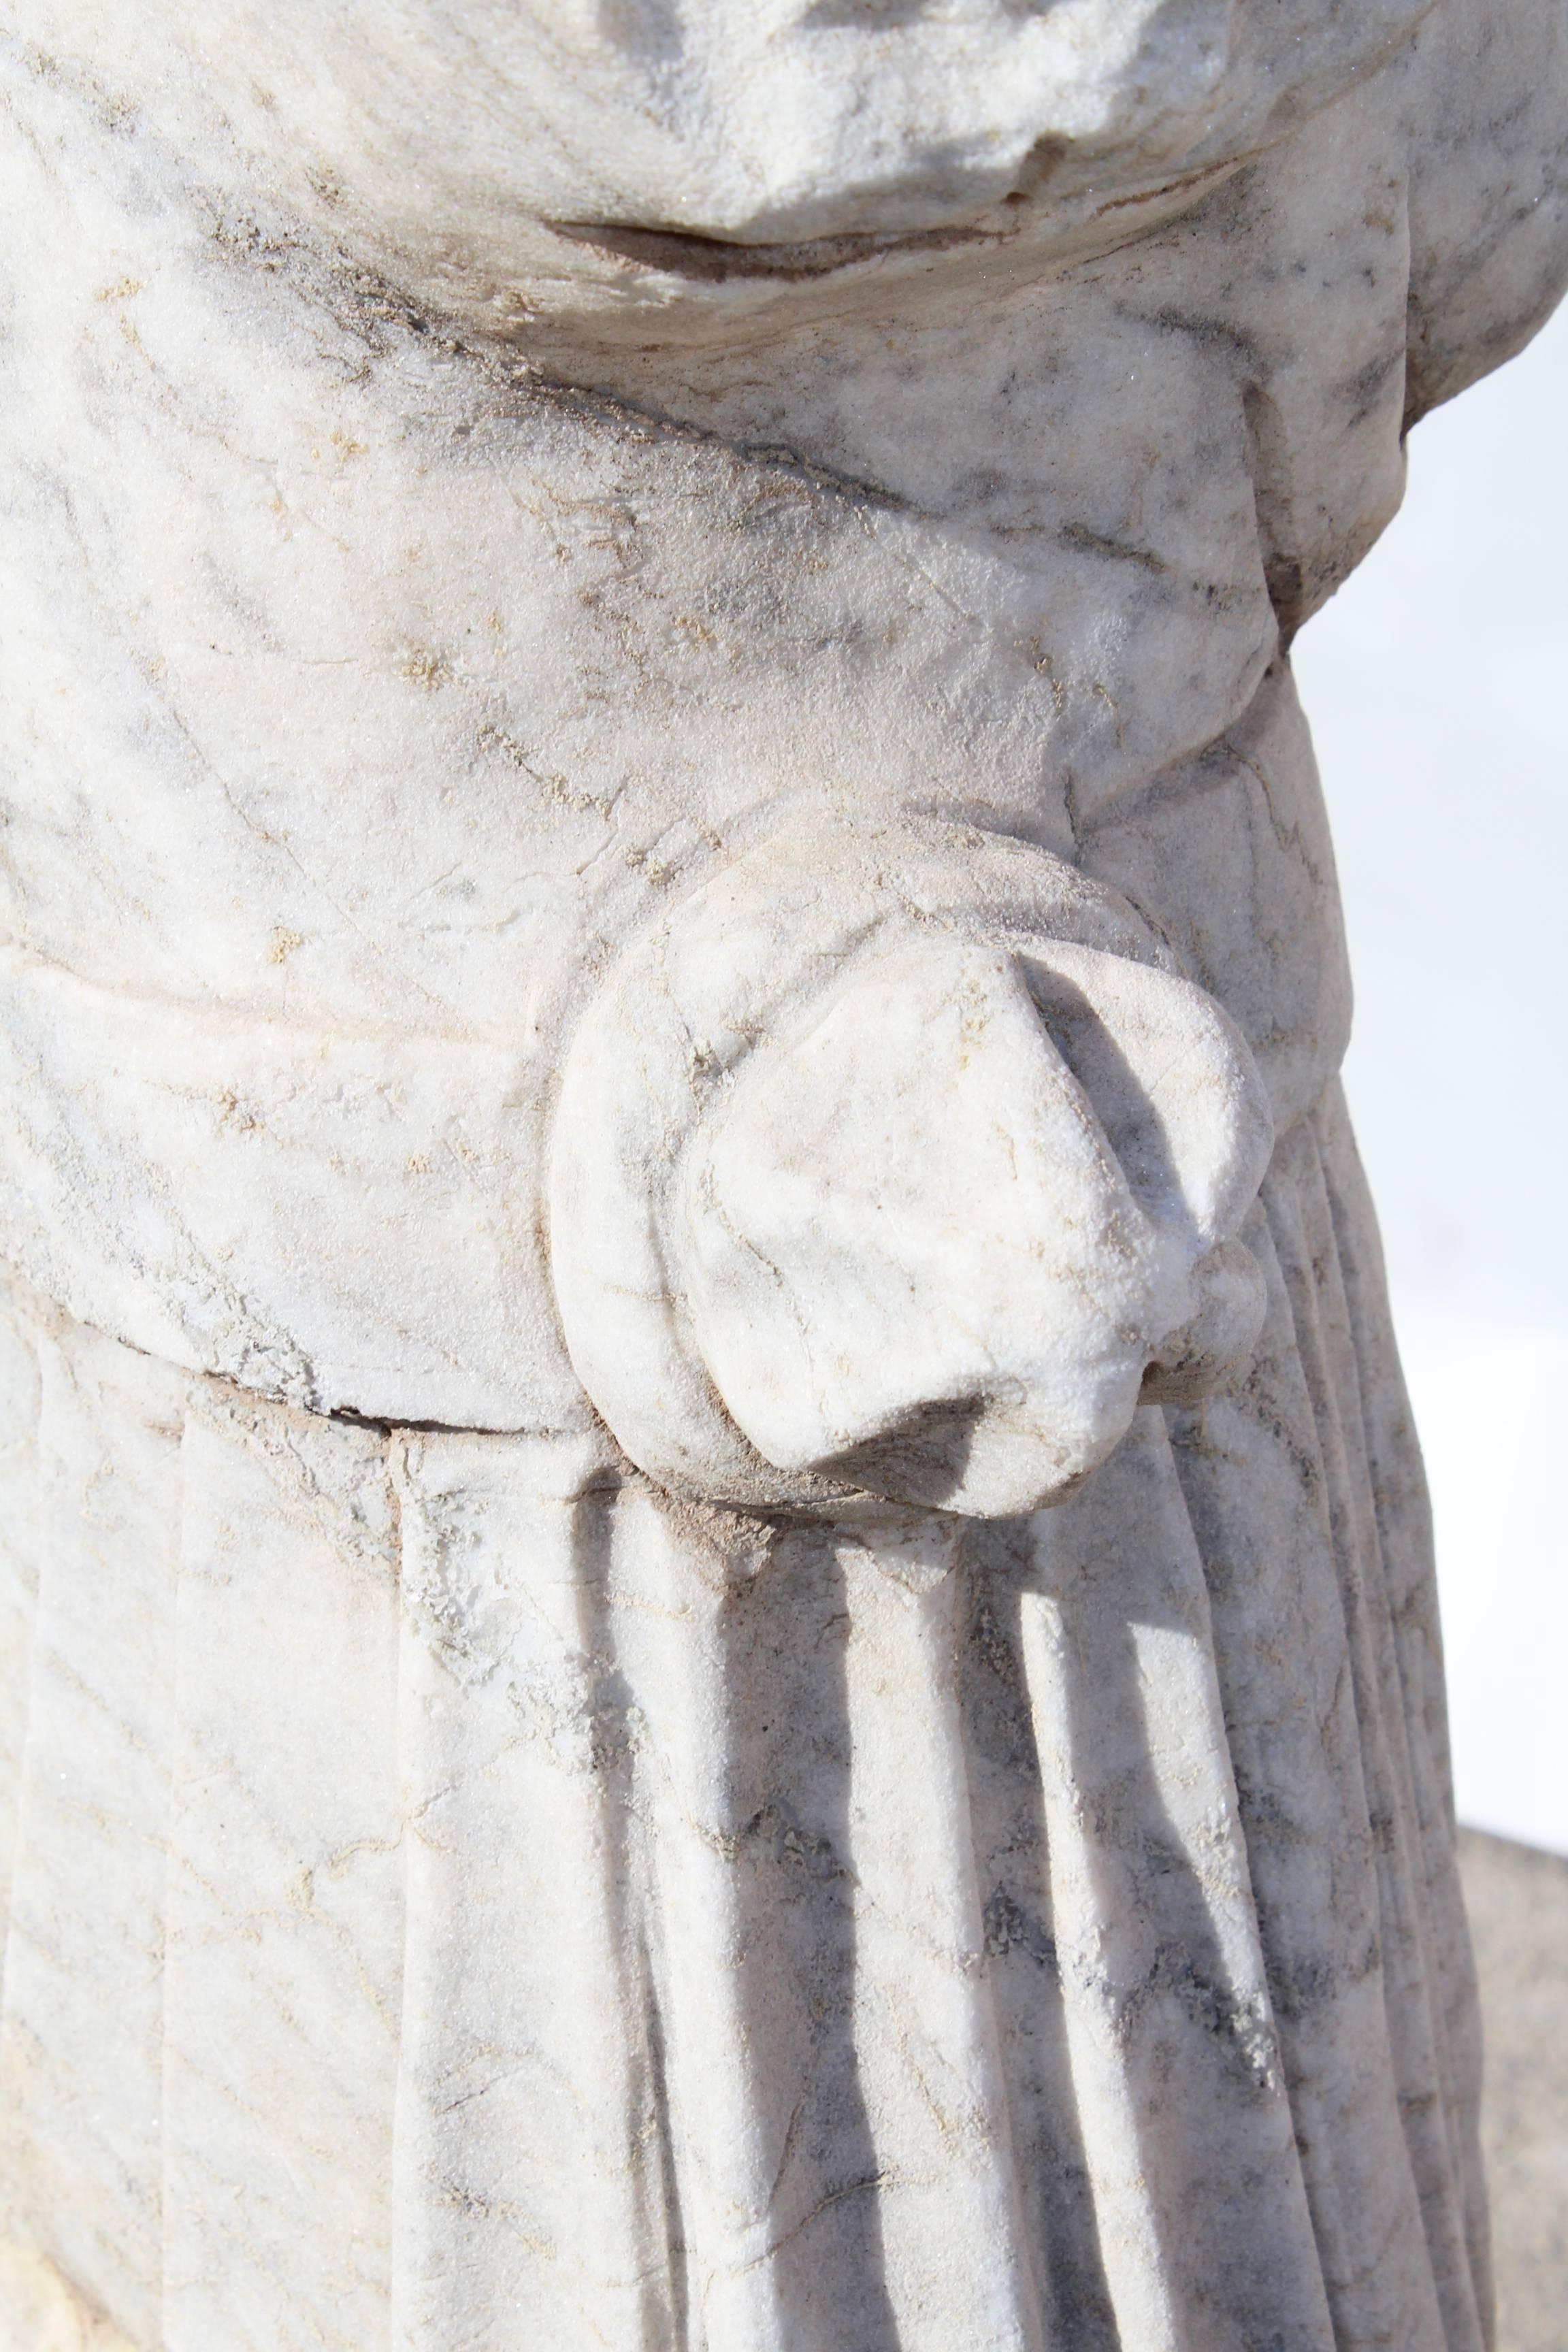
(686, 253)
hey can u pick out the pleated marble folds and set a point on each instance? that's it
(459, 1899)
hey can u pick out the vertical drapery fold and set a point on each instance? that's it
(82, 2109)
(1182, 2098)
(959, 2264)
(21, 1551)
(460, 1900)
(284, 1919)
(530, 2181)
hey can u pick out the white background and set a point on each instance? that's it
(1436, 682)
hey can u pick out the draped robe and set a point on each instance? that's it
(456, 1894)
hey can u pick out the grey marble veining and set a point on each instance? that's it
(717, 1629)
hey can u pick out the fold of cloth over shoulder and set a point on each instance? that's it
(1488, 192)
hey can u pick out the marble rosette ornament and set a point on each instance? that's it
(718, 1622)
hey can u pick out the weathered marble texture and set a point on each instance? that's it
(1516, 1896)
(862, 1945)
(671, 952)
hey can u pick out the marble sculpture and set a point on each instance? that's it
(717, 1626)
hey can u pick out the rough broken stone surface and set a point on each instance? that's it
(1517, 1899)
(718, 1618)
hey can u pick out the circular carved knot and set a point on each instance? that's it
(900, 1163)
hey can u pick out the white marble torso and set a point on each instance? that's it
(599, 1862)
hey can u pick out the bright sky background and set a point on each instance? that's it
(1436, 682)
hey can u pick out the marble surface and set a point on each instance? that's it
(721, 1618)
(520, 164)
(1468, 588)
(520, 1919)
(1517, 1898)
